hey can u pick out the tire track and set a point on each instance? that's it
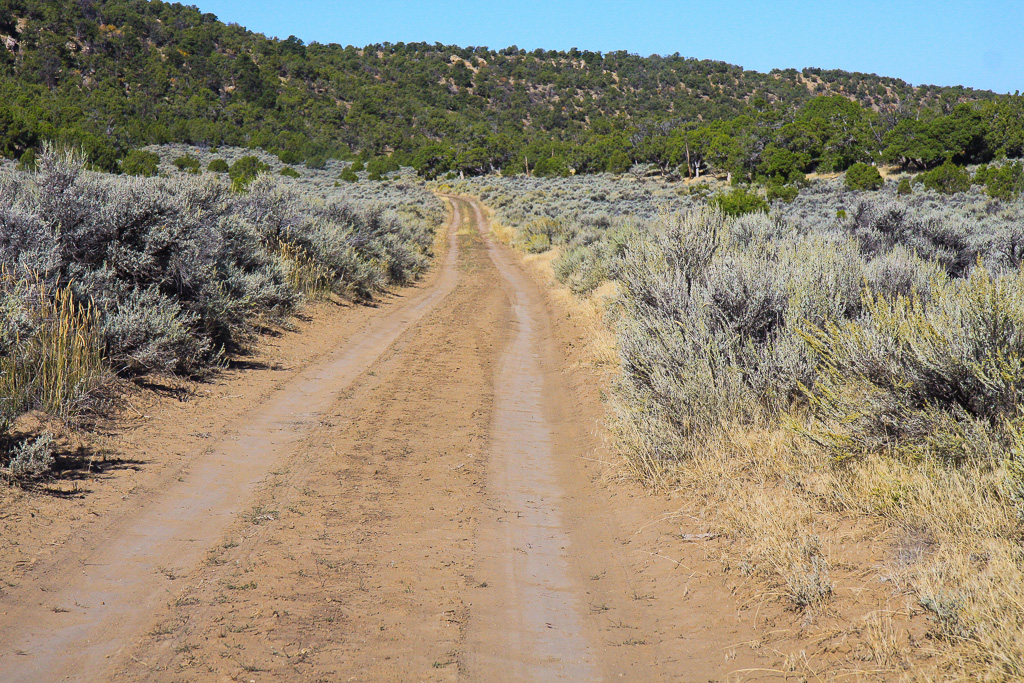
(75, 616)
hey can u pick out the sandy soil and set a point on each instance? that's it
(416, 491)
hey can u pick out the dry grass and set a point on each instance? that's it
(771, 492)
(59, 364)
(304, 273)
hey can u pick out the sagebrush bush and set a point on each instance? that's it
(940, 376)
(711, 312)
(727, 345)
(846, 354)
(105, 274)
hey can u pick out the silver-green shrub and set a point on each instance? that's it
(738, 321)
(174, 271)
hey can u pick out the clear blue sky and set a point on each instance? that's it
(943, 42)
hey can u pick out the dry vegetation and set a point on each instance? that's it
(849, 356)
(113, 276)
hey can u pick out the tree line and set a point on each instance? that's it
(109, 76)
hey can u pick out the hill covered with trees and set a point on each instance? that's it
(112, 75)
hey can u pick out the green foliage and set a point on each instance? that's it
(289, 172)
(947, 178)
(378, 166)
(863, 177)
(903, 187)
(357, 166)
(107, 76)
(550, 167)
(785, 193)
(245, 170)
(218, 166)
(27, 162)
(349, 176)
(739, 201)
(618, 162)
(187, 163)
(924, 142)
(141, 163)
(1004, 182)
(316, 163)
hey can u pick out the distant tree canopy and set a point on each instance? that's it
(110, 76)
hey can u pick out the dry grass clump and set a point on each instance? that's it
(53, 355)
(52, 361)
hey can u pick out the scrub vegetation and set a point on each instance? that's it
(105, 276)
(112, 76)
(852, 351)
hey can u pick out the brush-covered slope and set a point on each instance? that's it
(109, 75)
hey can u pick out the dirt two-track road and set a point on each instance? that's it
(416, 498)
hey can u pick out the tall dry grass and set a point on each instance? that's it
(55, 361)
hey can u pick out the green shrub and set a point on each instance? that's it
(218, 166)
(863, 177)
(981, 174)
(349, 176)
(947, 178)
(289, 157)
(187, 163)
(618, 162)
(289, 172)
(245, 170)
(357, 166)
(551, 167)
(739, 201)
(903, 187)
(27, 162)
(377, 167)
(316, 163)
(786, 193)
(141, 163)
(1005, 182)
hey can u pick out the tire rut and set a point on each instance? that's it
(76, 615)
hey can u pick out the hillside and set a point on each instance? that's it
(110, 75)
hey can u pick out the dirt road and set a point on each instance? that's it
(418, 502)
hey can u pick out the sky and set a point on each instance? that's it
(977, 44)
